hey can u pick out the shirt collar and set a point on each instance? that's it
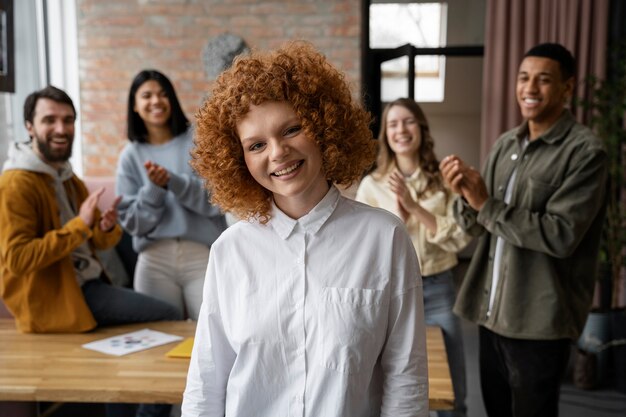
(417, 178)
(557, 131)
(310, 222)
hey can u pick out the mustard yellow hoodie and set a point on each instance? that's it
(37, 279)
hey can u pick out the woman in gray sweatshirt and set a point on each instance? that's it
(164, 205)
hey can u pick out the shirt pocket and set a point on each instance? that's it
(352, 325)
(537, 195)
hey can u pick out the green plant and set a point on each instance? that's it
(606, 107)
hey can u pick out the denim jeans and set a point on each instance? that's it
(439, 298)
(521, 378)
(116, 305)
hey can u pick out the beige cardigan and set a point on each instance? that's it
(436, 252)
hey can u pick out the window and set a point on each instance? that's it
(50, 23)
(422, 25)
(7, 66)
(28, 59)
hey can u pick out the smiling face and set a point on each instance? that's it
(542, 92)
(282, 158)
(152, 104)
(52, 131)
(403, 131)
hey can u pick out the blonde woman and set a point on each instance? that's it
(407, 182)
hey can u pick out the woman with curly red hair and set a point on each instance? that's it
(313, 304)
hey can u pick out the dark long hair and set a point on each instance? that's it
(178, 123)
(426, 154)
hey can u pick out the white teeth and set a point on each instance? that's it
(287, 170)
(531, 100)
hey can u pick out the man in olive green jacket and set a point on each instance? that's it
(538, 208)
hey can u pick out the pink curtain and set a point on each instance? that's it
(513, 27)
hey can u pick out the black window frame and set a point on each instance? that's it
(372, 58)
(7, 73)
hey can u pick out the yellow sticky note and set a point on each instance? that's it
(181, 350)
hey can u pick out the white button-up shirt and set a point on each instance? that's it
(320, 316)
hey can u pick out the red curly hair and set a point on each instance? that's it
(319, 95)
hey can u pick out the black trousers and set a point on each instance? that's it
(138, 410)
(521, 378)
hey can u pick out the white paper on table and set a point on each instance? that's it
(126, 343)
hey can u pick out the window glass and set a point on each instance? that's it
(421, 25)
(28, 73)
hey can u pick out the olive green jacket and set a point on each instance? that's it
(551, 231)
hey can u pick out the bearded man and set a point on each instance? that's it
(50, 277)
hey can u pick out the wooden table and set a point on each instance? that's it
(54, 367)
(440, 393)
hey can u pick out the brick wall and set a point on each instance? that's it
(118, 38)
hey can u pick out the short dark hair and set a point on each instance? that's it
(50, 92)
(137, 131)
(557, 52)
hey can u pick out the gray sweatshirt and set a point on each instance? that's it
(149, 212)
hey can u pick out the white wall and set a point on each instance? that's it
(5, 125)
(455, 123)
(63, 63)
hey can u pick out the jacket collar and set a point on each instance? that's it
(557, 132)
